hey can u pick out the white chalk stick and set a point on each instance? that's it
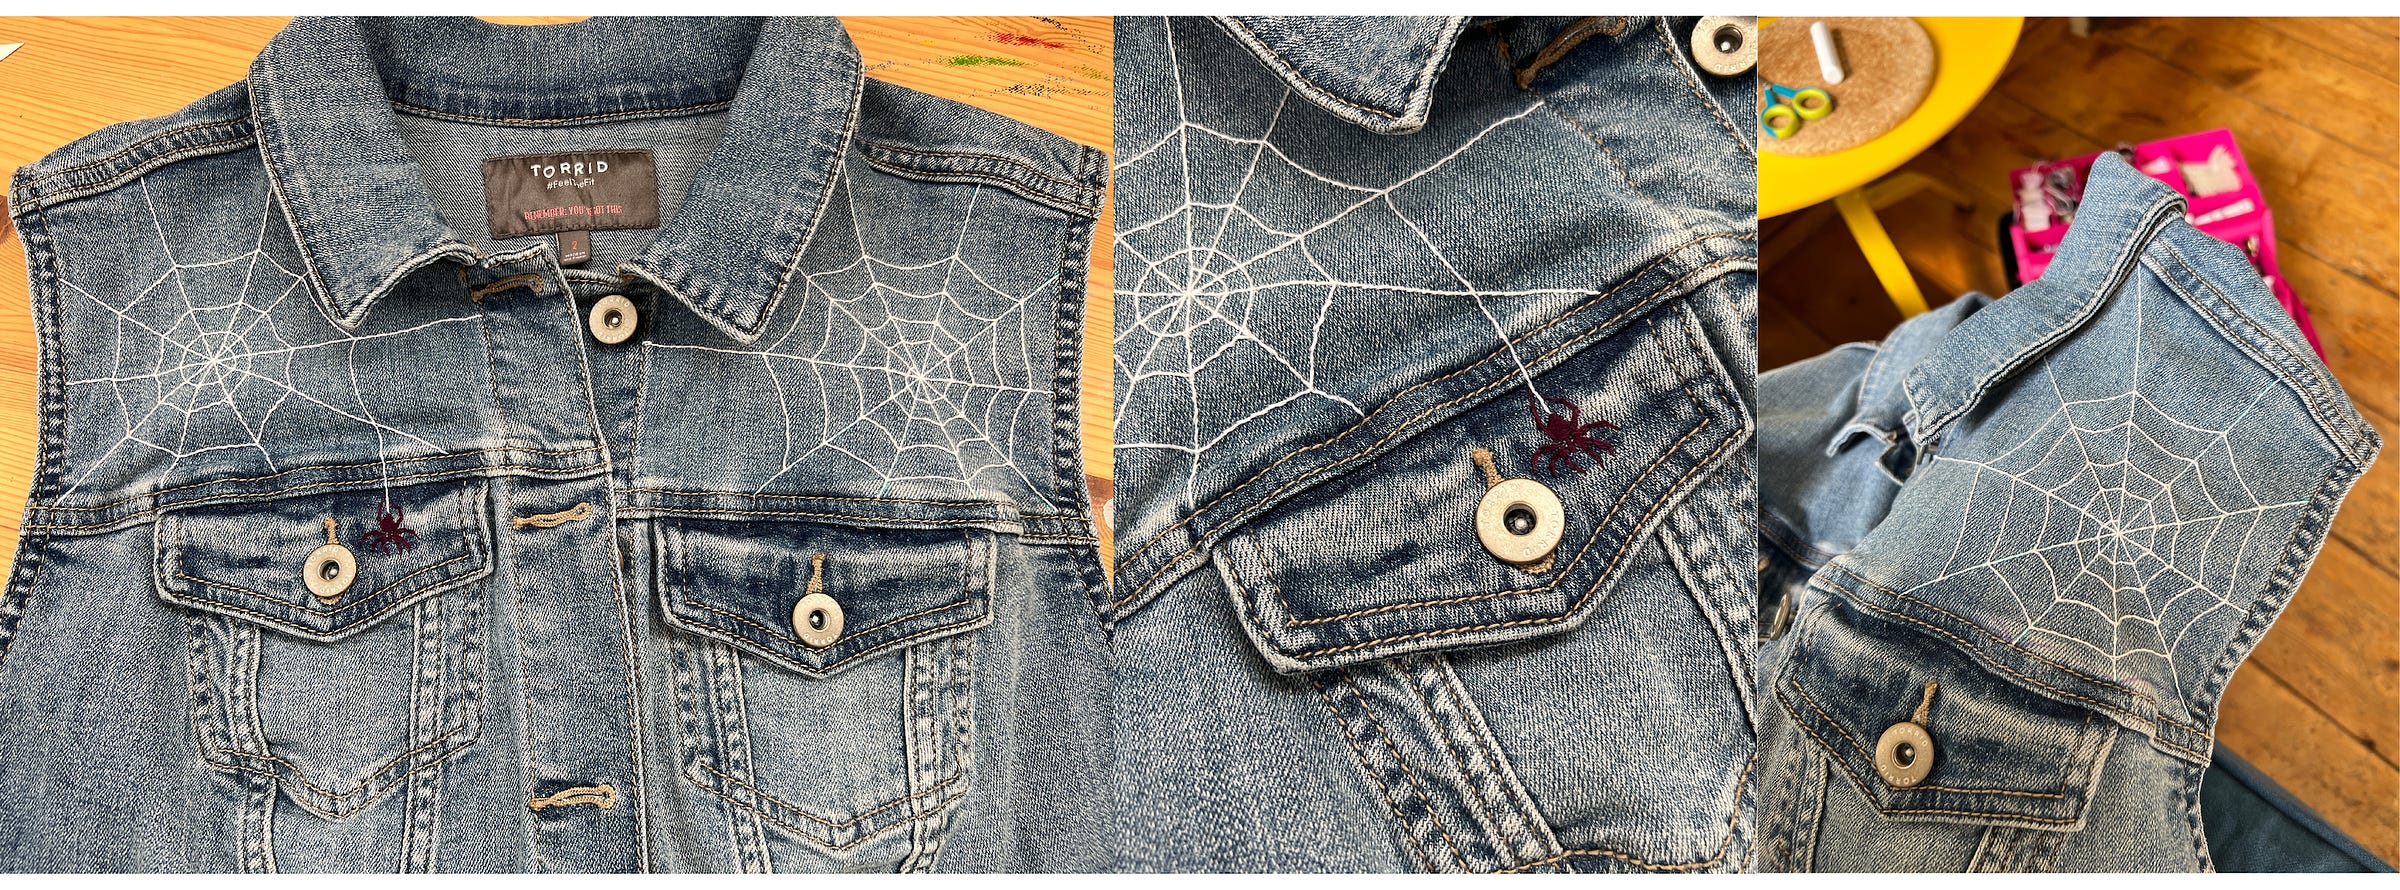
(1829, 61)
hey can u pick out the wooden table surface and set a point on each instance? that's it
(76, 75)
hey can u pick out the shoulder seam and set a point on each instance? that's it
(36, 188)
(1082, 198)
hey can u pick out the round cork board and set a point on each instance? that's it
(1887, 65)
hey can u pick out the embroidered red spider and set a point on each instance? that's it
(1568, 435)
(389, 536)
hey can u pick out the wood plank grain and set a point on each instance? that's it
(2278, 731)
(2348, 192)
(2324, 93)
(76, 75)
(2373, 44)
(2334, 645)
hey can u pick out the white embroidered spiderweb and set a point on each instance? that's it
(1224, 294)
(2115, 529)
(206, 357)
(918, 371)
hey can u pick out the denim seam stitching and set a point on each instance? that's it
(1019, 188)
(1385, 732)
(1723, 846)
(396, 582)
(605, 117)
(2315, 523)
(1291, 620)
(2161, 717)
(2124, 261)
(1390, 802)
(830, 824)
(866, 500)
(1577, 605)
(1865, 789)
(140, 169)
(843, 147)
(298, 776)
(1021, 165)
(1682, 67)
(132, 149)
(2308, 389)
(1501, 834)
(1811, 701)
(156, 512)
(1596, 298)
(1405, 426)
(1417, 84)
(350, 466)
(802, 832)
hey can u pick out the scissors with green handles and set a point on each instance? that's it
(1783, 108)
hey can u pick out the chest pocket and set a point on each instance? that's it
(1983, 752)
(824, 674)
(1391, 560)
(1447, 663)
(341, 690)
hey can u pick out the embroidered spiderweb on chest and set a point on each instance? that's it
(907, 370)
(222, 357)
(2122, 533)
(1251, 273)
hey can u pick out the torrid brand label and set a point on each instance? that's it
(574, 191)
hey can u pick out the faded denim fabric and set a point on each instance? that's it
(570, 642)
(1349, 253)
(2072, 511)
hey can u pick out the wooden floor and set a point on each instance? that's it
(2316, 107)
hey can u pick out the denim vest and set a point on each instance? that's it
(2037, 536)
(1370, 272)
(364, 540)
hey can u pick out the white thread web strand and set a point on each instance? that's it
(1188, 305)
(216, 377)
(2141, 523)
(910, 372)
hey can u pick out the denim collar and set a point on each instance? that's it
(1376, 72)
(325, 94)
(2121, 211)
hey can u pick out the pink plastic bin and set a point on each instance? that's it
(2221, 215)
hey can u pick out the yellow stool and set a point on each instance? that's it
(1969, 54)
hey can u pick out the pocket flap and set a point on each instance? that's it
(742, 582)
(1386, 561)
(250, 560)
(2002, 755)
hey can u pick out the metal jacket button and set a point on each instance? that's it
(817, 618)
(330, 569)
(1725, 45)
(612, 319)
(1520, 521)
(1904, 755)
